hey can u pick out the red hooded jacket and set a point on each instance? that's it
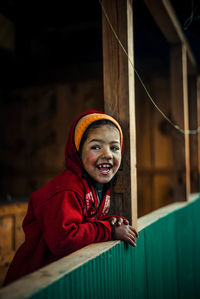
(62, 217)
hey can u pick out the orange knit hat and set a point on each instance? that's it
(87, 120)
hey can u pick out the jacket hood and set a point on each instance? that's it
(72, 157)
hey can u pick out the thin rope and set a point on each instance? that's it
(196, 131)
(192, 17)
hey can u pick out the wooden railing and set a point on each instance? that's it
(165, 263)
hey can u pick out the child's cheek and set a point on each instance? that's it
(91, 157)
(118, 159)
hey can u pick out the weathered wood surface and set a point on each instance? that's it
(193, 124)
(198, 124)
(41, 157)
(154, 146)
(11, 233)
(179, 111)
(119, 98)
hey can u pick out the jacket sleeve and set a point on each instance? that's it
(62, 223)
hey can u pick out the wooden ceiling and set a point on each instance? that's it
(53, 34)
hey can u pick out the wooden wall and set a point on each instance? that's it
(11, 233)
(34, 124)
(154, 146)
(156, 153)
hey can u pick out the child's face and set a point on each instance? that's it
(101, 153)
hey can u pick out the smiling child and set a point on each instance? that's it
(71, 211)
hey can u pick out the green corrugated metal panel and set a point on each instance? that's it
(161, 262)
(185, 246)
(169, 257)
(118, 273)
(140, 273)
(165, 264)
(195, 235)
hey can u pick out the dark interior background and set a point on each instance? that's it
(52, 35)
(55, 72)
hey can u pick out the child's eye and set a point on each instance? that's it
(95, 147)
(115, 148)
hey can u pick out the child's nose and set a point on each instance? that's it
(107, 153)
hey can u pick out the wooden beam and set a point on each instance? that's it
(165, 16)
(198, 124)
(179, 110)
(119, 98)
(13, 208)
(193, 124)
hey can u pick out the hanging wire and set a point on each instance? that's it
(195, 131)
(191, 18)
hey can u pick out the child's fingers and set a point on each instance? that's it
(126, 221)
(130, 240)
(113, 220)
(134, 230)
(120, 221)
(132, 235)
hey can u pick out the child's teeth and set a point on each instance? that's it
(104, 166)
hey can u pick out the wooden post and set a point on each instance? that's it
(119, 99)
(179, 105)
(193, 124)
(198, 124)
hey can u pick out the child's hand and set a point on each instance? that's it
(126, 233)
(118, 221)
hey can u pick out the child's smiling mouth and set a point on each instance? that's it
(104, 168)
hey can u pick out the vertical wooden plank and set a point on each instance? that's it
(131, 168)
(179, 106)
(162, 184)
(11, 233)
(193, 124)
(198, 123)
(6, 234)
(144, 148)
(145, 204)
(19, 233)
(6, 244)
(162, 162)
(119, 95)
